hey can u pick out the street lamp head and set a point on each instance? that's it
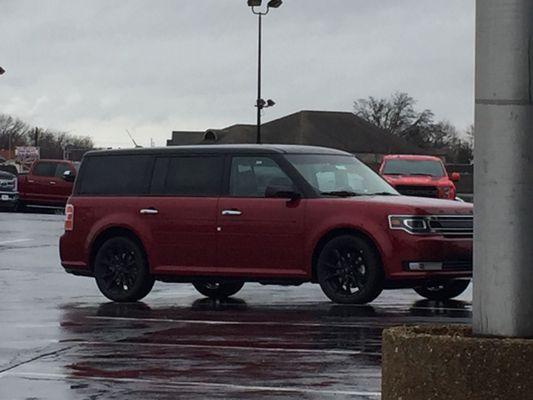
(275, 3)
(2, 70)
(254, 3)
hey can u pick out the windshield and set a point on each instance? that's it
(342, 176)
(413, 167)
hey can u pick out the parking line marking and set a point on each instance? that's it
(225, 347)
(15, 241)
(211, 322)
(173, 384)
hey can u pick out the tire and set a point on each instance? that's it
(444, 291)
(349, 270)
(121, 270)
(218, 290)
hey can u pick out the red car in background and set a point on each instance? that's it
(422, 176)
(48, 183)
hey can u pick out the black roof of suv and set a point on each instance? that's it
(223, 149)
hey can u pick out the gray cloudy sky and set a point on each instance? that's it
(100, 67)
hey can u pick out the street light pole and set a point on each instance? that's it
(260, 103)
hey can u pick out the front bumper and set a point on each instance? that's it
(8, 199)
(422, 257)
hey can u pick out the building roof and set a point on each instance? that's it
(340, 130)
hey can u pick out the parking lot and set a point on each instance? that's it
(60, 339)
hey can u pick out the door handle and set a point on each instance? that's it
(231, 212)
(30, 181)
(52, 183)
(149, 211)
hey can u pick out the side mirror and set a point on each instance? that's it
(455, 176)
(288, 194)
(69, 176)
(282, 192)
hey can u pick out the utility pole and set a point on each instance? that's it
(260, 103)
(36, 137)
(503, 187)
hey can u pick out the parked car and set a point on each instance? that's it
(8, 190)
(423, 176)
(48, 183)
(11, 168)
(219, 216)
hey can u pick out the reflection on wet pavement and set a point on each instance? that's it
(61, 340)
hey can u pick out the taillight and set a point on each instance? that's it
(69, 217)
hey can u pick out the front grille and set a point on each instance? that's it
(452, 225)
(8, 185)
(420, 191)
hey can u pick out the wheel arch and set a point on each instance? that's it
(110, 232)
(333, 233)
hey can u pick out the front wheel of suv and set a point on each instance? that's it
(218, 289)
(349, 270)
(121, 270)
(443, 291)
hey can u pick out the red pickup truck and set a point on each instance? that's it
(422, 176)
(48, 183)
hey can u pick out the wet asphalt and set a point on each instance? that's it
(60, 339)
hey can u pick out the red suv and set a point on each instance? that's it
(219, 216)
(423, 176)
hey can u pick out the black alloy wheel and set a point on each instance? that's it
(218, 290)
(349, 270)
(121, 270)
(443, 291)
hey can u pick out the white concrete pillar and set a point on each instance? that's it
(503, 187)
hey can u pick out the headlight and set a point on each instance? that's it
(409, 223)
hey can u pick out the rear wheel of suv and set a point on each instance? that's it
(218, 289)
(121, 270)
(349, 270)
(443, 291)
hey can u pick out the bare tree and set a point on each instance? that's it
(396, 114)
(13, 132)
(54, 143)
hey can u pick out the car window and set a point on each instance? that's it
(252, 176)
(187, 176)
(60, 169)
(44, 169)
(414, 167)
(329, 174)
(124, 175)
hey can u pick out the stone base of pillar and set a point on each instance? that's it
(446, 362)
